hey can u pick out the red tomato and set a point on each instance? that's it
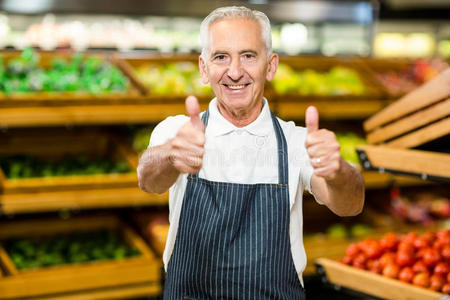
(436, 282)
(352, 250)
(406, 274)
(421, 279)
(359, 265)
(371, 248)
(410, 237)
(442, 268)
(421, 242)
(405, 246)
(444, 236)
(361, 259)
(429, 236)
(347, 260)
(391, 270)
(389, 241)
(419, 254)
(446, 252)
(419, 267)
(446, 289)
(373, 265)
(431, 257)
(404, 258)
(387, 258)
(438, 245)
(448, 277)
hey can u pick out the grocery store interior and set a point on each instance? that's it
(83, 83)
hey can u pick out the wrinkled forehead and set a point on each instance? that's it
(235, 33)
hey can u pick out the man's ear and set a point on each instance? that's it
(272, 66)
(203, 71)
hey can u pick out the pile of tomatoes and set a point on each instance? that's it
(423, 260)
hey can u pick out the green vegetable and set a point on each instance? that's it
(86, 74)
(68, 249)
(22, 166)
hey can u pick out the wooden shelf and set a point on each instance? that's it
(79, 199)
(74, 278)
(344, 109)
(372, 284)
(376, 180)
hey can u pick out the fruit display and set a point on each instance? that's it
(424, 208)
(172, 79)
(27, 253)
(348, 142)
(337, 81)
(26, 166)
(90, 74)
(422, 260)
(417, 73)
(339, 230)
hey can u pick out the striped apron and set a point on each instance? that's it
(233, 239)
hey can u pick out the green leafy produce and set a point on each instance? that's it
(67, 249)
(25, 166)
(337, 81)
(173, 79)
(80, 74)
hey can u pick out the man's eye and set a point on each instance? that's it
(219, 57)
(249, 56)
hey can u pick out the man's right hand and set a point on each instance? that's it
(187, 147)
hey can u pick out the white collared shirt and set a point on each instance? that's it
(243, 155)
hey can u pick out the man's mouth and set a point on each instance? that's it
(236, 86)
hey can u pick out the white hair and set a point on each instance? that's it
(235, 12)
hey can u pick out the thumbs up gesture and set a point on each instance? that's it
(322, 147)
(187, 147)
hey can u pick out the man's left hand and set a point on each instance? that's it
(322, 147)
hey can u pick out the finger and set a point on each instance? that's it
(193, 111)
(312, 119)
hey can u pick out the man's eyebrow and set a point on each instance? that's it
(248, 51)
(218, 53)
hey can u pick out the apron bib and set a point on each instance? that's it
(233, 239)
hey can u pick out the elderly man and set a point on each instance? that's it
(237, 174)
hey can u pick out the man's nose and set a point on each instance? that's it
(235, 71)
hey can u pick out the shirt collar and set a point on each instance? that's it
(218, 125)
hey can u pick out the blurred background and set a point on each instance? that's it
(83, 83)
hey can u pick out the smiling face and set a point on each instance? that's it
(237, 67)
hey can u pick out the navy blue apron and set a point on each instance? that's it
(233, 239)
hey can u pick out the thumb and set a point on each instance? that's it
(193, 111)
(312, 119)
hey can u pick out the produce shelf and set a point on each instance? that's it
(87, 199)
(372, 284)
(423, 164)
(49, 148)
(375, 180)
(37, 116)
(142, 269)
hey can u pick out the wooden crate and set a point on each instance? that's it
(128, 63)
(323, 64)
(92, 143)
(144, 268)
(64, 98)
(384, 65)
(373, 284)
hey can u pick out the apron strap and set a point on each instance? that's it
(283, 169)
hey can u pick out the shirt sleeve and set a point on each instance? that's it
(166, 130)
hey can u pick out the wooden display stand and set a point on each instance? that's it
(61, 281)
(63, 98)
(373, 284)
(71, 192)
(420, 117)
